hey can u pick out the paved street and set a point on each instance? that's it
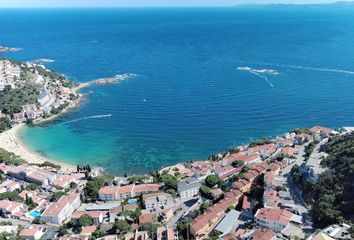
(295, 193)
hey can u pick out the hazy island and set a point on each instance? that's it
(295, 186)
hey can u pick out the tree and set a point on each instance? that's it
(122, 226)
(55, 197)
(62, 231)
(85, 220)
(171, 191)
(169, 180)
(183, 228)
(5, 124)
(204, 207)
(151, 228)
(238, 163)
(205, 191)
(31, 187)
(212, 180)
(92, 187)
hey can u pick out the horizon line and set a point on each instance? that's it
(183, 6)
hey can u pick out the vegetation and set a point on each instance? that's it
(85, 220)
(55, 197)
(334, 190)
(238, 163)
(302, 130)
(309, 149)
(5, 124)
(10, 158)
(11, 100)
(151, 228)
(213, 180)
(122, 226)
(50, 164)
(260, 142)
(92, 187)
(137, 179)
(12, 196)
(183, 228)
(170, 181)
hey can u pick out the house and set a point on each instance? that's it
(265, 150)
(204, 223)
(63, 181)
(97, 216)
(288, 151)
(166, 214)
(228, 222)
(275, 219)
(18, 117)
(271, 199)
(138, 235)
(145, 218)
(227, 172)
(31, 174)
(188, 188)
(271, 181)
(10, 208)
(57, 212)
(165, 233)
(302, 138)
(32, 232)
(242, 185)
(10, 186)
(87, 231)
(118, 193)
(246, 207)
(246, 157)
(157, 201)
(259, 234)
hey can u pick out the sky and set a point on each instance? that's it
(141, 3)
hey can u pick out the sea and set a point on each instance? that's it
(206, 78)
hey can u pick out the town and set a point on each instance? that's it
(30, 92)
(247, 192)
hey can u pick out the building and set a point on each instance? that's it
(157, 201)
(57, 212)
(228, 222)
(259, 234)
(189, 188)
(165, 233)
(119, 193)
(137, 235)
(227, 172)
(97, 216)
(10, 208)
(31, 174)
(275, 219)
(32, 233)
(335, 231)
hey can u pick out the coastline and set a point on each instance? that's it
(71, 105)
(10, 139)
(11, 142)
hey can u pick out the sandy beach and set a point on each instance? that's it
(10, 141)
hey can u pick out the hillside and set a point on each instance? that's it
(334, 191)
(29, 91)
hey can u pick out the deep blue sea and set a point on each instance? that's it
(189, 99)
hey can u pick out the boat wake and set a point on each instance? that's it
(260, 73)
(85, 118)
(317, 69)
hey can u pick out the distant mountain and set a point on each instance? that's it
(287, 5)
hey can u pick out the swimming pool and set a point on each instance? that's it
(35, 213)
(132, 201)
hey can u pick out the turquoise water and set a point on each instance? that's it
(35, 213)
(188, 99)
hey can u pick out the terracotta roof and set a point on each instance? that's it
(278, 215)
(246, 204)
(88, 230)
(93, 214)
(145, 218)
(317, 129)
(264, 234)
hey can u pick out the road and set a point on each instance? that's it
(295, 192)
